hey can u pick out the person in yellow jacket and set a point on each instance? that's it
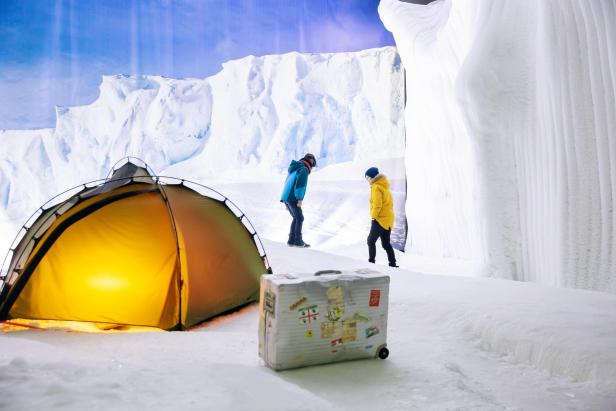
(382, 214)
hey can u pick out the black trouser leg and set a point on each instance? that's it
(292, 229)
(299, 221)
(375, 231)
(386, 243)
(295, 233)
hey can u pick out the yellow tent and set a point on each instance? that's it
(134, 250)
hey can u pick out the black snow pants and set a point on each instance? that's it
(376, 232)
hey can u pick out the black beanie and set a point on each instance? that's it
(310, 159)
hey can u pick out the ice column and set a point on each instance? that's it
(511, 121)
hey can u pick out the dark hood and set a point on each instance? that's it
(296, 165)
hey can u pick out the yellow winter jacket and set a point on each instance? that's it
(381, 202)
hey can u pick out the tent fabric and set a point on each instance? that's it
(115, 265)
(206, 224)
(122, 176)
(138, 253)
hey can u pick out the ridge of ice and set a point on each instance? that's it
(244, 123)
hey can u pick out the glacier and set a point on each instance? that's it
(245, 123)
(511, 135)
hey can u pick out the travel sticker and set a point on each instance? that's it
(297, 303)
(309, 314)
(328, 329)
(336, 342)
(371, 331)
(361, 318)
(335, 295)
(335, 303)
(349, 329)
(375, 298)
(334, 313)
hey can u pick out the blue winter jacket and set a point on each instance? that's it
(296, 182)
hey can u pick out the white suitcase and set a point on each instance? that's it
(329, 316)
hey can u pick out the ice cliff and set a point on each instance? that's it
(245, 123)
(511, 135)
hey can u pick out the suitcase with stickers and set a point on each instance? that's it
(329, 316)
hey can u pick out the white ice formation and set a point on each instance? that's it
(245, 123)
(511, 135)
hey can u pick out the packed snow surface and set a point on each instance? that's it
(511, 135)
(456, 343)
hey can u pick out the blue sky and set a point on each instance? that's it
(54, 52)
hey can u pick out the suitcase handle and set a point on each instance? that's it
(326, 272)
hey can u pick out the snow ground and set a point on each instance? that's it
(456, 343)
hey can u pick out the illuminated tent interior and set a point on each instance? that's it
(134, 250)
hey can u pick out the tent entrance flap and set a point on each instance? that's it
(117, 265)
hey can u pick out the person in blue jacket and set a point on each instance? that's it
(293, 195)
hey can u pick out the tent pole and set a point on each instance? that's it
(178, 262)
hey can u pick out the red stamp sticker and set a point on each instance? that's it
(375, 298)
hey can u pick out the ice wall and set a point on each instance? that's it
(245, 123)
(512, 117)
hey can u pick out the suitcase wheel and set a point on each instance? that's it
(383, 353)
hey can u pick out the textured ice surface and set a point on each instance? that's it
(511, 127)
